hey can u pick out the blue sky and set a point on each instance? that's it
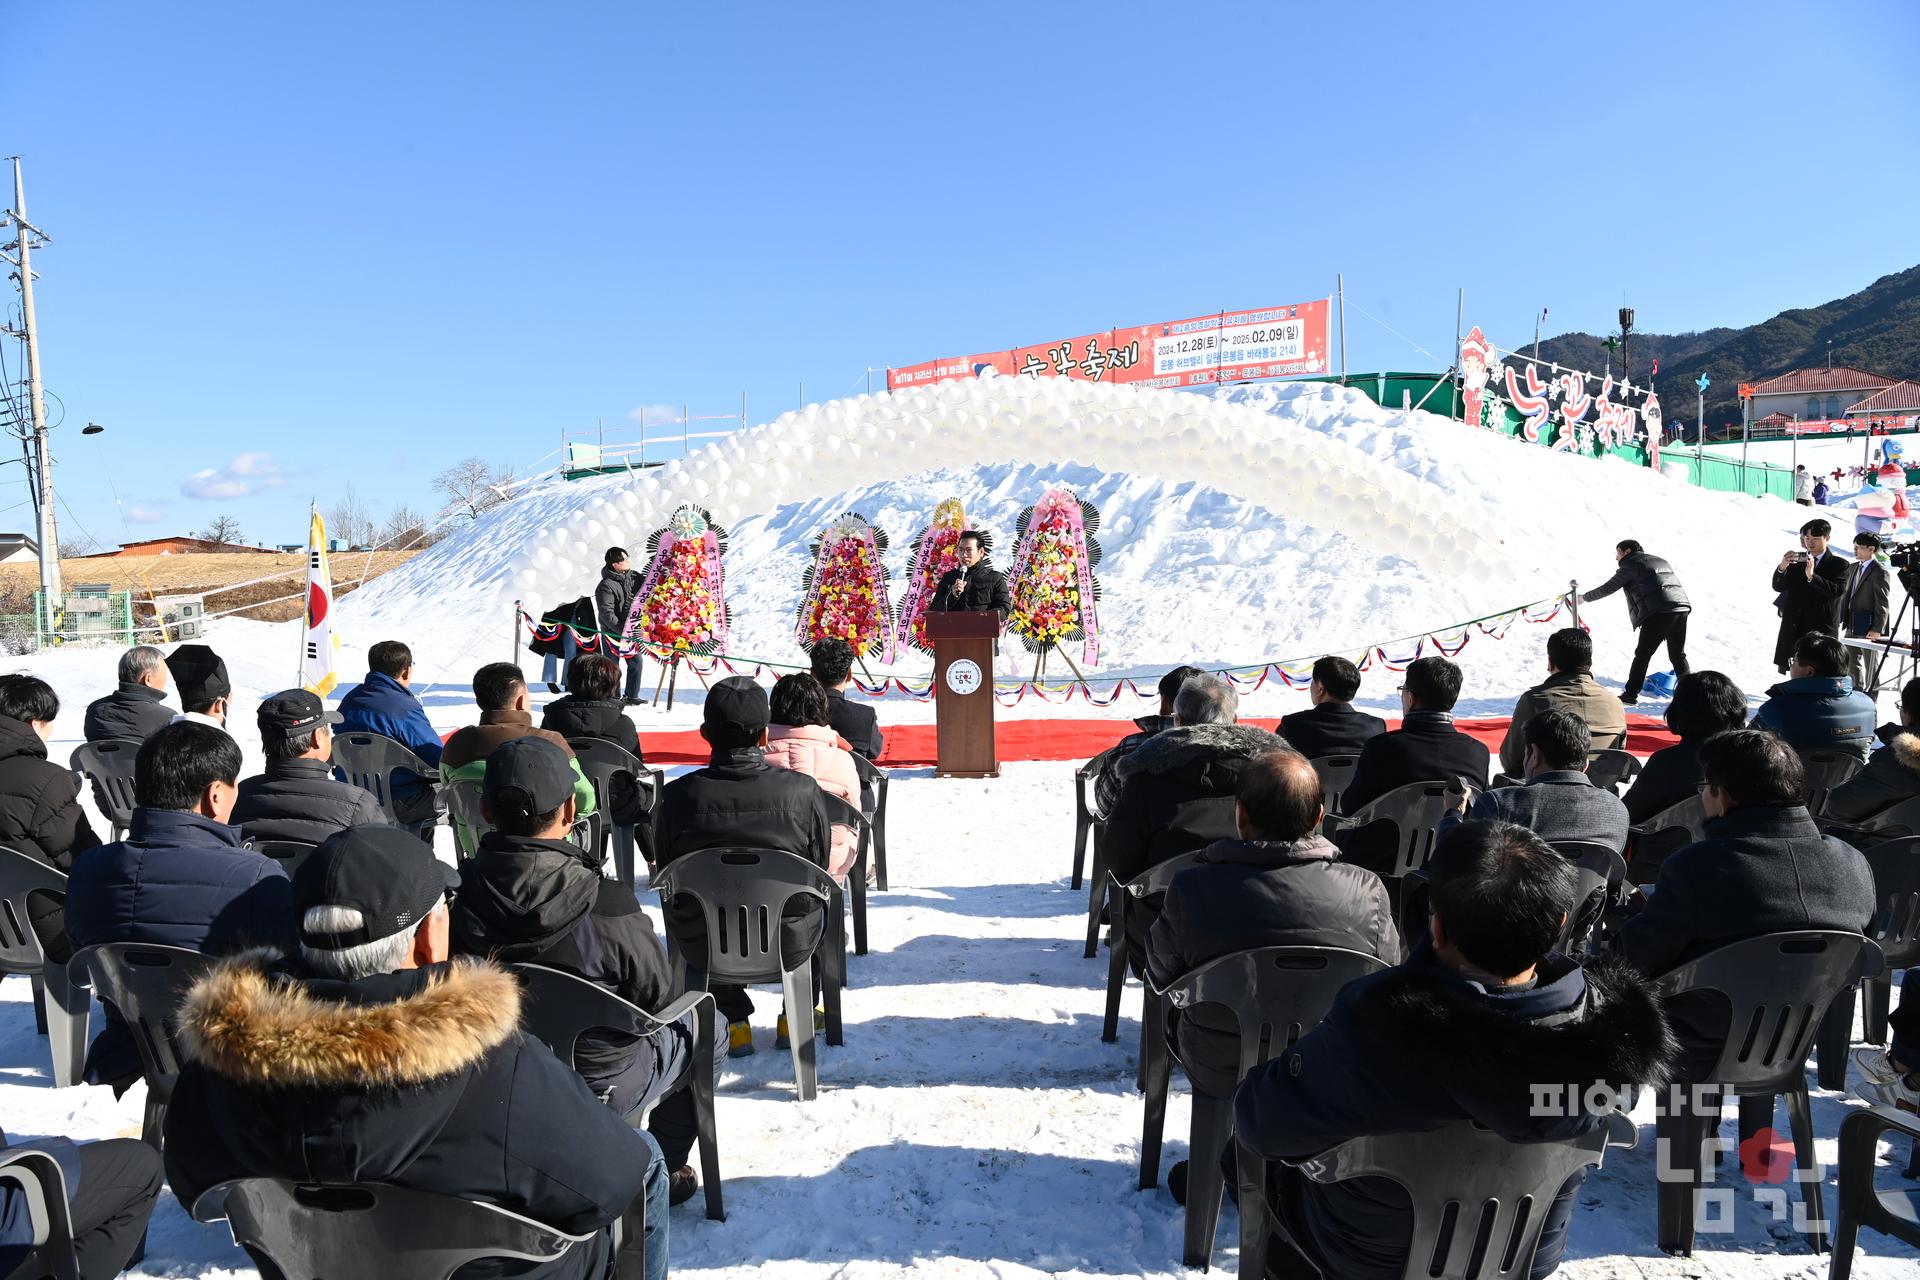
(301, 247)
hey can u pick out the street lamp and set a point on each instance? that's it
(92, 429)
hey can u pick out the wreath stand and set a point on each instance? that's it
(670, 677)
(1040, 664)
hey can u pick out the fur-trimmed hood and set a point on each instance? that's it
(1906, 750)
(1195, 746)
(1578, 1026)
(266, 1031)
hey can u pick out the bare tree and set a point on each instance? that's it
(472, 485)
(406, 530)
(79, 544)
(350, 520)
(225, 531)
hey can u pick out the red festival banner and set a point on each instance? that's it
(1226, 346)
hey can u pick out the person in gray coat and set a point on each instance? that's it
(1657, 606)
(1863, 610)
(1559, 802)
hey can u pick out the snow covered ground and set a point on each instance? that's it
(973, 1125)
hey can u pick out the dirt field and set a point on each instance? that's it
(203, 574)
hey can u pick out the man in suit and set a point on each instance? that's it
(1331, 726)
(832, 663)
(1559, 802)
(1863, 608)
(1810, 583)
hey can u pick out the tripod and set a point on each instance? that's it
(1886, 647)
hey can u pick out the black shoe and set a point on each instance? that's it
(552, 687)
(1629, 702)
(633, 702)
(682, 1184)
(1177, 1183)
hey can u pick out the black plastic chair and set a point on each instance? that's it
(38, 1176)
(369, 760)
(1277, 994)
(1096, 887)
(848, 815)
(370, 1229)
(1895, 928)
(560, 1007)
(1086, 809)
(874, 777)
(1827, 769)
(1336, 775)
(1473, 1192)
(742, 893)
(60, 1005)
(1779, 988)
(1154, 880)
(1662, 836)
(1602, 871)
(288, 853)
(146, 983)
(108, 766)
(464, 815)
(1895, 822)
(602, 761)
(1415, 811)
(1895, 1213)
(1610, 766)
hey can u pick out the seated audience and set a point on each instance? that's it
(384, 703)
(40, 813)
(501, 692)
(298, 798)
(1704, 703)
(1278, 883)
(1177, 793)
(1425, 748)
(1892, 772)
(530, 896)
(1569, 686)
(1764, 867)
(205, 691)
(380, 1059)
(799, 738)
(111, 1186)
(1817, 708)
(832, 663)
(1558, 802)
(739, 800)
(1480, 1015)
(135, 711)
(1331, 726)
(592, 707)
(181, 878)
(1106, 787)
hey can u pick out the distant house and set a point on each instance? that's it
(1815, 393)
(1900, 399)
(179, 547)
(18, 546)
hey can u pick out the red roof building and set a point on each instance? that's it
(1816, 393)
(178, 547)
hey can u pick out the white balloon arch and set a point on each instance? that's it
(844, 444)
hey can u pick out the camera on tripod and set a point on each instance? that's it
(1905, 559)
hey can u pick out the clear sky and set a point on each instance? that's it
(298, 247)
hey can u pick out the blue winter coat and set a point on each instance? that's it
(380, 704)
(1817, 713)
(179, 880)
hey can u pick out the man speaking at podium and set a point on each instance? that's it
(976, 586)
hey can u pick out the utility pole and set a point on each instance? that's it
(26, 234)
(1626, 353)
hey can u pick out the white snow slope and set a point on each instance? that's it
(974, 1125)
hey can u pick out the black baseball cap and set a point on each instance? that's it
(386, 873)
(526, 777)
(736, 709)
(294, 711)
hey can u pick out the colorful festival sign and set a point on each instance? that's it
(1226, 346)
(844, 593)
(1588, 423)
(682, 601)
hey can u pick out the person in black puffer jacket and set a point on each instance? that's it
(298, 798)
(530, 896)
(1657, 607)
(613, 605)
(1177, 793)
(135, 711)
(40, 812)
(591, 710)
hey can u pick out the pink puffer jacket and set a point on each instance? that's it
(818, 752)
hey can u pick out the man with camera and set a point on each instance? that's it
(1810, 583)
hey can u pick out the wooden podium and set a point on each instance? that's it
(963, 646)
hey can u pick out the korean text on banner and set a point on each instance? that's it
(1227, 346)
(319, 648)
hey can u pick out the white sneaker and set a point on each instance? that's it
(1881, 1084)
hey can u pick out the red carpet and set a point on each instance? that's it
(913, 744)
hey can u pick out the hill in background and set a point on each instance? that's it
(1877, 329)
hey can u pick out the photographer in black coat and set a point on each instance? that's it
(298, 798)
(975, 586)
(613, 604)
(1810, 583)
(1657, 607)
(1470, 1027)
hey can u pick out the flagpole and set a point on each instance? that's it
(300, 644)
